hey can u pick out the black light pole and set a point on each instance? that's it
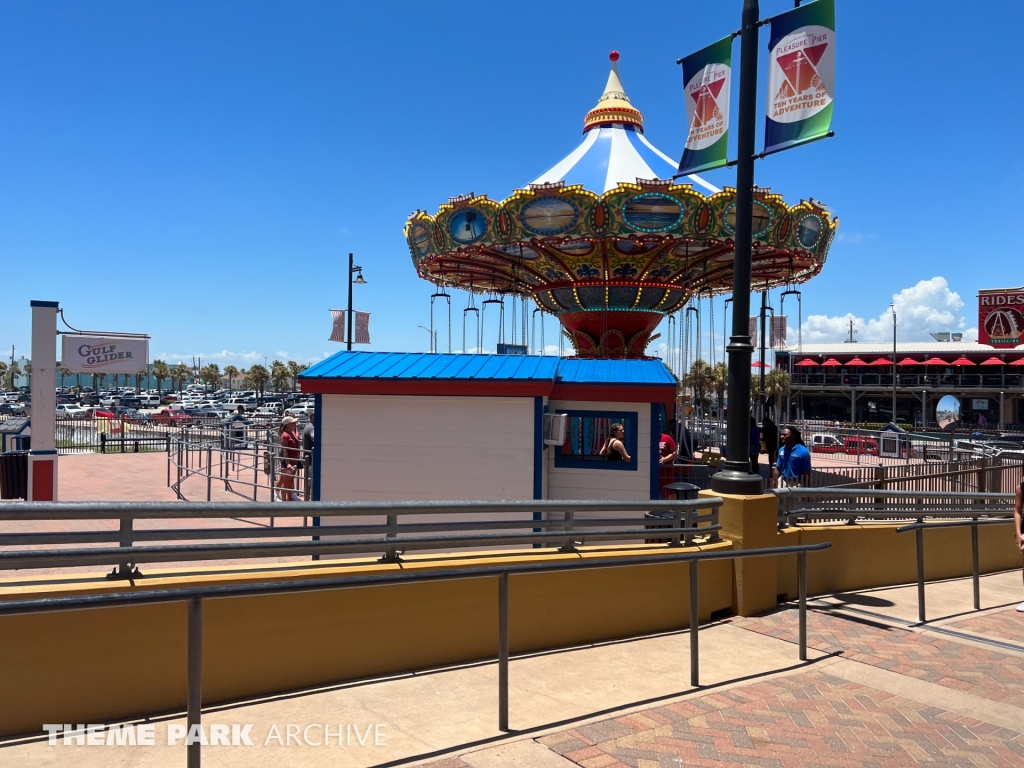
(893, 308)
(762, 400)
(349, 318)
(735, 476)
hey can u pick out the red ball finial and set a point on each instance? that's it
(613, 56)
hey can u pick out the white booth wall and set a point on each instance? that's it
(416, 447)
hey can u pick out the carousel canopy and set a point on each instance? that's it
(608, 242)
(614, 148)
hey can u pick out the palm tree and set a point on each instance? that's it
(699, 381)
(719, 384)
(776, 385)
(13, 372)
(257, 378)
(161, 372)
(3, 372)
(139, 376)
(210, 375)
(63, 371)
(279, 374)
(232, 373)
(179, 375)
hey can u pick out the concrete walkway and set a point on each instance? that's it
(878, 690)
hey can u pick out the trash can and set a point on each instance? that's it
(682, 491)
(665, 519)
(14, 475)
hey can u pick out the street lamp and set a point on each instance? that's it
(358, 272)
(735, 476)
(892, 308)
(433, 337)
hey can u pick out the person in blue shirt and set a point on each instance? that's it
(793, 466)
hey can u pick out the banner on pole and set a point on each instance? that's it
(706, 78)
(339, 326)
(753, 329)
(778, 336)
(801, 75)
(104, 354)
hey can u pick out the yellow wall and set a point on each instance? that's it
(874, 555)
(105, 664)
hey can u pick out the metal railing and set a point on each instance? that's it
(242, 456)
(195, 597)
(919, 529)
(811, 505)
(560, 524)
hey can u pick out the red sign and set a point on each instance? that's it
(1001, 317)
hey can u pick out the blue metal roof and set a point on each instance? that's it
(458, 367)
(421, 365)
(574, 370)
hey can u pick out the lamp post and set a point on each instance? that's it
(735, 476)
(892, 307)
(433, 337)
(358, 272)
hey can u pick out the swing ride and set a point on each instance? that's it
(608, 243)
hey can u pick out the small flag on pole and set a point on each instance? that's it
(778, 331)
(801, 75)
(339, 328)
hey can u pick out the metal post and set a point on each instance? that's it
(694, 622)
(503, 652)
(761, 400)
(735, 476)
(348, 316)
(801, 577)
(920, 575)
(195, 675)
(677, 522)
(124, 540)
(209, 473)
(975, 569)
(893, 306)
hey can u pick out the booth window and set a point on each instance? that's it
(585, 434)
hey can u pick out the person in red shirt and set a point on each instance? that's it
(289, 459)
(668, 450)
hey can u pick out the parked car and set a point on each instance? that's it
(110, 399)
(149, 401)
(131, 401)
(70, 410)
(302, 409)
(268, 409)
(13, 409)
(826, 444)
(168, 399)
(167, 416)
(857, 444)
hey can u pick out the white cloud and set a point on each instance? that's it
(211, 357)
(926, 307)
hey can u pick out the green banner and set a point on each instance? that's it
(706, 77)
(801, 75)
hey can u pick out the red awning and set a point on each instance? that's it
(963, 361)
(1019, 361)
(935, 361)
(832, 361)
(856, 361)
(805, 363)
(882, 361)
(757, 364)
(992, 361)
(909, 361)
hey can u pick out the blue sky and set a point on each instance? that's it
(199, 171)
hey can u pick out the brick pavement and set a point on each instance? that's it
(968, 668)
(1002, 625)
(809, 719)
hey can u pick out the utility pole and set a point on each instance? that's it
(893, 308)
(735, 476)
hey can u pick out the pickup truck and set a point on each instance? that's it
(167, 416)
